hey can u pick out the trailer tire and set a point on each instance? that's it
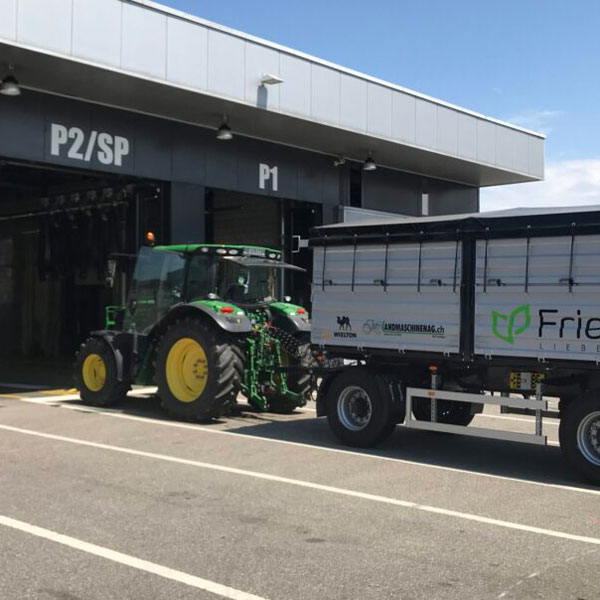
(449, 412)
(579, 436)
(197, 370)
(96, 374)
(359, 409)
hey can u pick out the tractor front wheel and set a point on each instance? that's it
(197, 370)
(96, 375)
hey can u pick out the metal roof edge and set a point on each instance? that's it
(120, 71)
(249, 37)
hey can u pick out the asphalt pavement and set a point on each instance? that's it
(127, 503)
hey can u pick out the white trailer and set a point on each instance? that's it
(436, 310)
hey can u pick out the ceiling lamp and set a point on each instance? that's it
(10, 85)
(369, 164)
(224, 132)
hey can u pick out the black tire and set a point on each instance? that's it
(563, 402)
(359, 409)
(95, 366)
(220, 371)
(448, 412)
(300, 382)
(579, 436)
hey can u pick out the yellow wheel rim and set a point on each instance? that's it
(94, 372)
(187, 370)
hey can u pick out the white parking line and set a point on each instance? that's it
(314, 486)
(204, 429)
(130, 561)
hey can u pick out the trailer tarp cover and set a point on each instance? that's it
(500, 223)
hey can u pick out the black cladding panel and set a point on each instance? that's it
(44, 128)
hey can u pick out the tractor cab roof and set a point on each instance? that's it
(232, 250)
(249, 261)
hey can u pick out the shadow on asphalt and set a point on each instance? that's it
(493, 457)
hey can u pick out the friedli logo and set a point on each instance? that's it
(507, 327)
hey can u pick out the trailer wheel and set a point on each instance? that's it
(96, 375)
(359, 410)
(448, 412)
(579, 435)
(197, 370)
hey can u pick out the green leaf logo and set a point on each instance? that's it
(507, 323)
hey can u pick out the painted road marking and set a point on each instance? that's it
(55, 399)
(130, 561)
(314, 486)
(60, 392)
(204, 429)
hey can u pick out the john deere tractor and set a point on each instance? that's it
(204, 323)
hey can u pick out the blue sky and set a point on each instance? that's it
(531, 62)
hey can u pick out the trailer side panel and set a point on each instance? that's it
(538, 298)
(403, 296)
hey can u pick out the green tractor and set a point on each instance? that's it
(203, 322)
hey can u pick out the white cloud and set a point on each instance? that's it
(568, 183)
(538, 120)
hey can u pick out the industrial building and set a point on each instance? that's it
(120, 117)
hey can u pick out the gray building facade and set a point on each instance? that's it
(115, 131)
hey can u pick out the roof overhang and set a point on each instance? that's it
(53, 73)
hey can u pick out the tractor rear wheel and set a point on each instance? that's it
(197, 370)
(96, 374)
(301, 382)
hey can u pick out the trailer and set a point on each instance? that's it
(440, 313)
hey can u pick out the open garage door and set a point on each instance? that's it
(245, 219)
(62, 233)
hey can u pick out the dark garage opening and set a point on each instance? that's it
(65, 236)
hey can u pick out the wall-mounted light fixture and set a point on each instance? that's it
(10, 85)
(339, 161)
(369, 164)
(269, 79)
(224, 132)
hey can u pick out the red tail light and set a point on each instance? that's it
(301, 311)
(228, 310)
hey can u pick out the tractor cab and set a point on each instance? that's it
(247, 277)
